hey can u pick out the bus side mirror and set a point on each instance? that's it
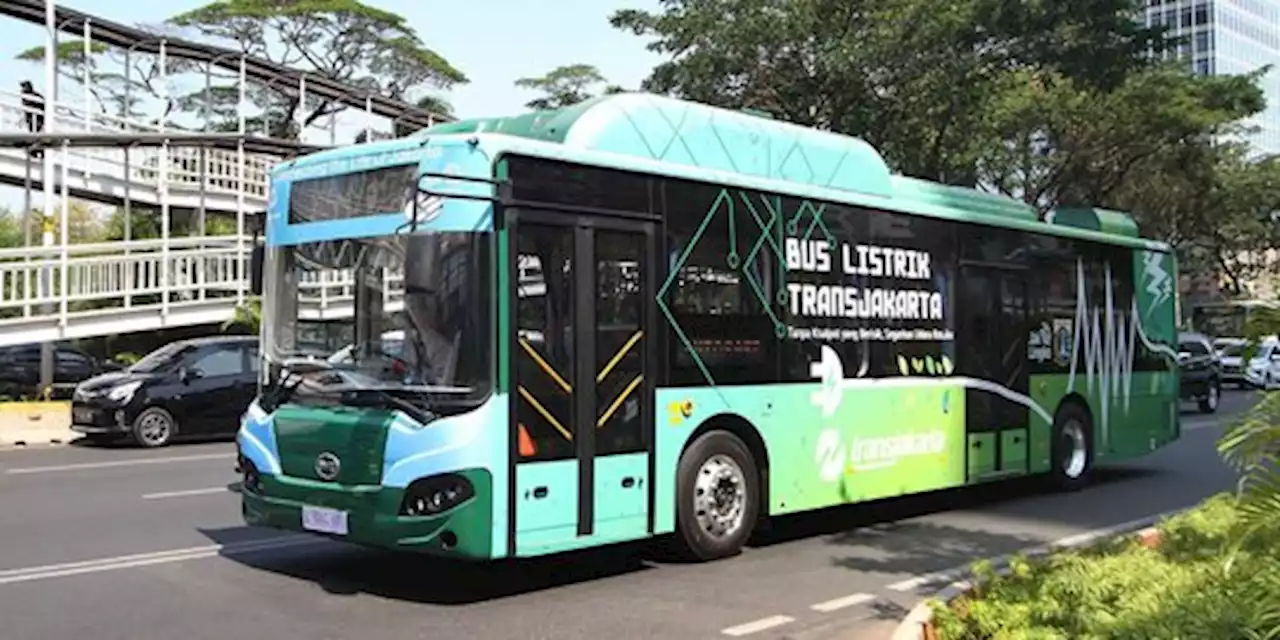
(255, 269)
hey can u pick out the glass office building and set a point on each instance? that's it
(1230, 37)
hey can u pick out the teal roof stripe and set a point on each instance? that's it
(657, 134)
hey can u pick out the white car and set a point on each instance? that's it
(1231, 358)
(1264, 368)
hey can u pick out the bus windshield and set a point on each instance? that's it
(419, 313)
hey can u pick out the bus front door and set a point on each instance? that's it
(582, 292)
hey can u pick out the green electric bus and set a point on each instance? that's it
(639, 316)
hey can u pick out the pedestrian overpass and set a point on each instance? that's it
(52, 291)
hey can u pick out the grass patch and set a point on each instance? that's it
(1215, 575)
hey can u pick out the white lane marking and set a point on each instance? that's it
(1192, 425)
(119, 463)
(757, 626)
(840, 603)
(188, 492)
(67, 569)
(918, 581)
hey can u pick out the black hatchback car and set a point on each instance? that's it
(197, 387)
(1201, 371)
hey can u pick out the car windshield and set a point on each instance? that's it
(1193, 347)
(1230, 349)
(160, 359)
(406, 312)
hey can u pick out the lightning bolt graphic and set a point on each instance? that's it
(1159, 285)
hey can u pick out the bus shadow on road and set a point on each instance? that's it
(344, 569)
(891, 536)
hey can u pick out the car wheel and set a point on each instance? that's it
(154, 427)
(1072, 448)
(718, 489)
(1212, 395)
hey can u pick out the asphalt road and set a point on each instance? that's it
(127, 544)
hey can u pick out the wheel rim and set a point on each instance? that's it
(720, 496)
(154, 428)
(1213, 396)
(1075, 450)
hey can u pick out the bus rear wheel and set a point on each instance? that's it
(718, 496)
(1072, 449)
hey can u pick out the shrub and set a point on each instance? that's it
(126, 357)
(1183, 589)
(1216, 573)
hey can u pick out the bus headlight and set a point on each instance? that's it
(436, 494)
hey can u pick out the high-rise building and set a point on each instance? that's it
(1230, 37)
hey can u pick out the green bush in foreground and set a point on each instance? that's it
(1185, 589)
(1215, 575)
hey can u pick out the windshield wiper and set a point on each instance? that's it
(278, 390)
(351, 396)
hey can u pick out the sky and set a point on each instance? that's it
(493, 42)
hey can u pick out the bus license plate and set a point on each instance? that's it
(324, 520)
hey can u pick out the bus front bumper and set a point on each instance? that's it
(370, 515)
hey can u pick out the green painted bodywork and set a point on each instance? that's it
(374, 513)
(303, 433)
(1106, 221)
(885, 437)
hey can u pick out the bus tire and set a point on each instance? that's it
(717, 496)
(1072, 448)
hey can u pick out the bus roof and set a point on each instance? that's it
(655, 134)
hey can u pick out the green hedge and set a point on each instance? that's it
(1206, 580)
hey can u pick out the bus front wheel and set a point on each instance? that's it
(718, 490)
(1072, 448)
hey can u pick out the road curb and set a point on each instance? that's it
(916, 624)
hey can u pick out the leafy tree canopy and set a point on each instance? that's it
(915, 78)
(565, 85)
(344, 40)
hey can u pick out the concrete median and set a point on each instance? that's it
(25, 424)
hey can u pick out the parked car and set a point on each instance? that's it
(1263, 370)
(20, 370)
(1201, 373)
(1231, 357)
(197, 387)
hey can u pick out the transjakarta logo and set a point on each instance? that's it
(835, 458)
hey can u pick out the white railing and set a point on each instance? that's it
(144, 278)
(96, 276)
(215, 171)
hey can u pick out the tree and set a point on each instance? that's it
(914, 78)
(1061, 142)
(1238, 221)
(144, 224)
(11, 233)
(85, 225)
(565, 85)
(344, 40)
(116, 93)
